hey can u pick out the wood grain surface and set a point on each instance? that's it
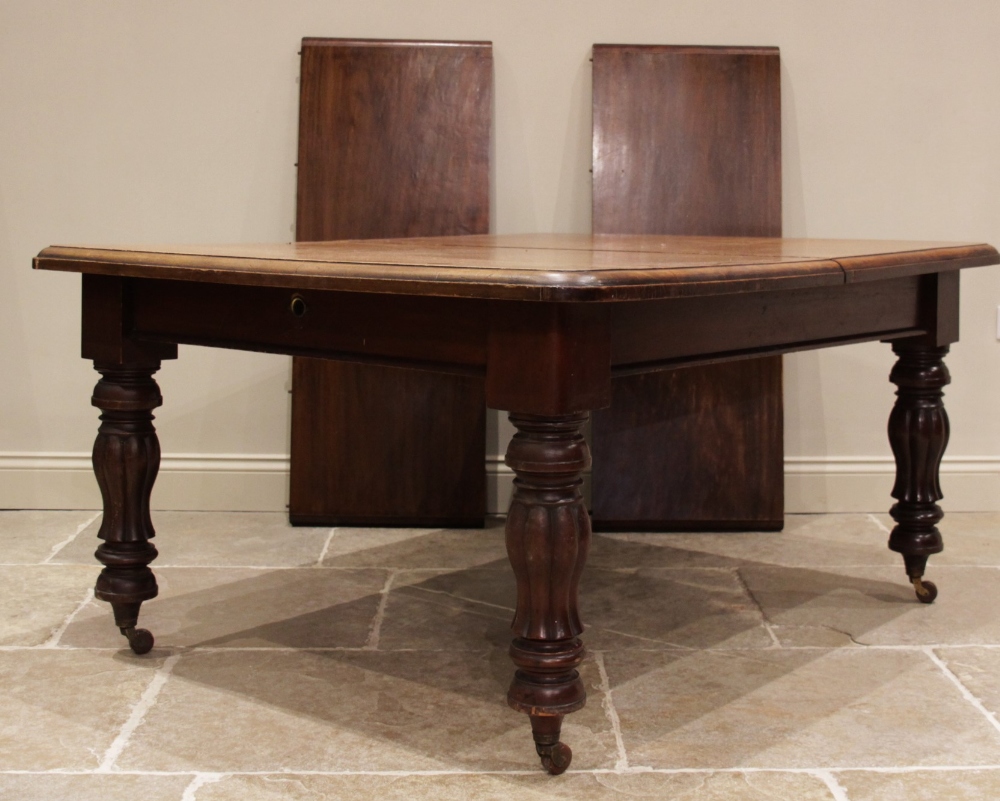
(687, 140)
(393, 142)
(562, 267)
(393, 139)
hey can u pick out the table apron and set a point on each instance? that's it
(452, 334)
(445, 334)
(659, 334)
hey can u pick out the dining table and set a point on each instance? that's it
(548, 320)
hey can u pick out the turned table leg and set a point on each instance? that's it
(918, 433)
(548, 533)
(126, 459)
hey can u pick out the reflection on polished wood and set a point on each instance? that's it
(687, 140)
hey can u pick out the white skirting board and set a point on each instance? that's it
(259, 483)
(188, 482)
(837, 484)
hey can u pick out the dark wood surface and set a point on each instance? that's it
(473, 337)
(691, 449)
(335, 325)
(654, 335)
(426, 473)
(126, 460)
(463, 336)
(918, 434)
(548, 536)
(548, 362)
(393, 141)
(687, 140)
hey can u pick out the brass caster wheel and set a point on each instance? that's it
(139, 640)
(926, 590)
(557, 759)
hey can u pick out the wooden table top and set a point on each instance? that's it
(555, 267)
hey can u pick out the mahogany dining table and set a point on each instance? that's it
(549, 320)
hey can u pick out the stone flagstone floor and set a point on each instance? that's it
(371, 663)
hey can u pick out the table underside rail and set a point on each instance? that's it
(438, 334)
(753, 353)
(659, 335)
(450, 334)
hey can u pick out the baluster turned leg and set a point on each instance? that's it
(918, 433)
(126, 459)
(548, 533)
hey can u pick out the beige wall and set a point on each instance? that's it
(154, 122)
